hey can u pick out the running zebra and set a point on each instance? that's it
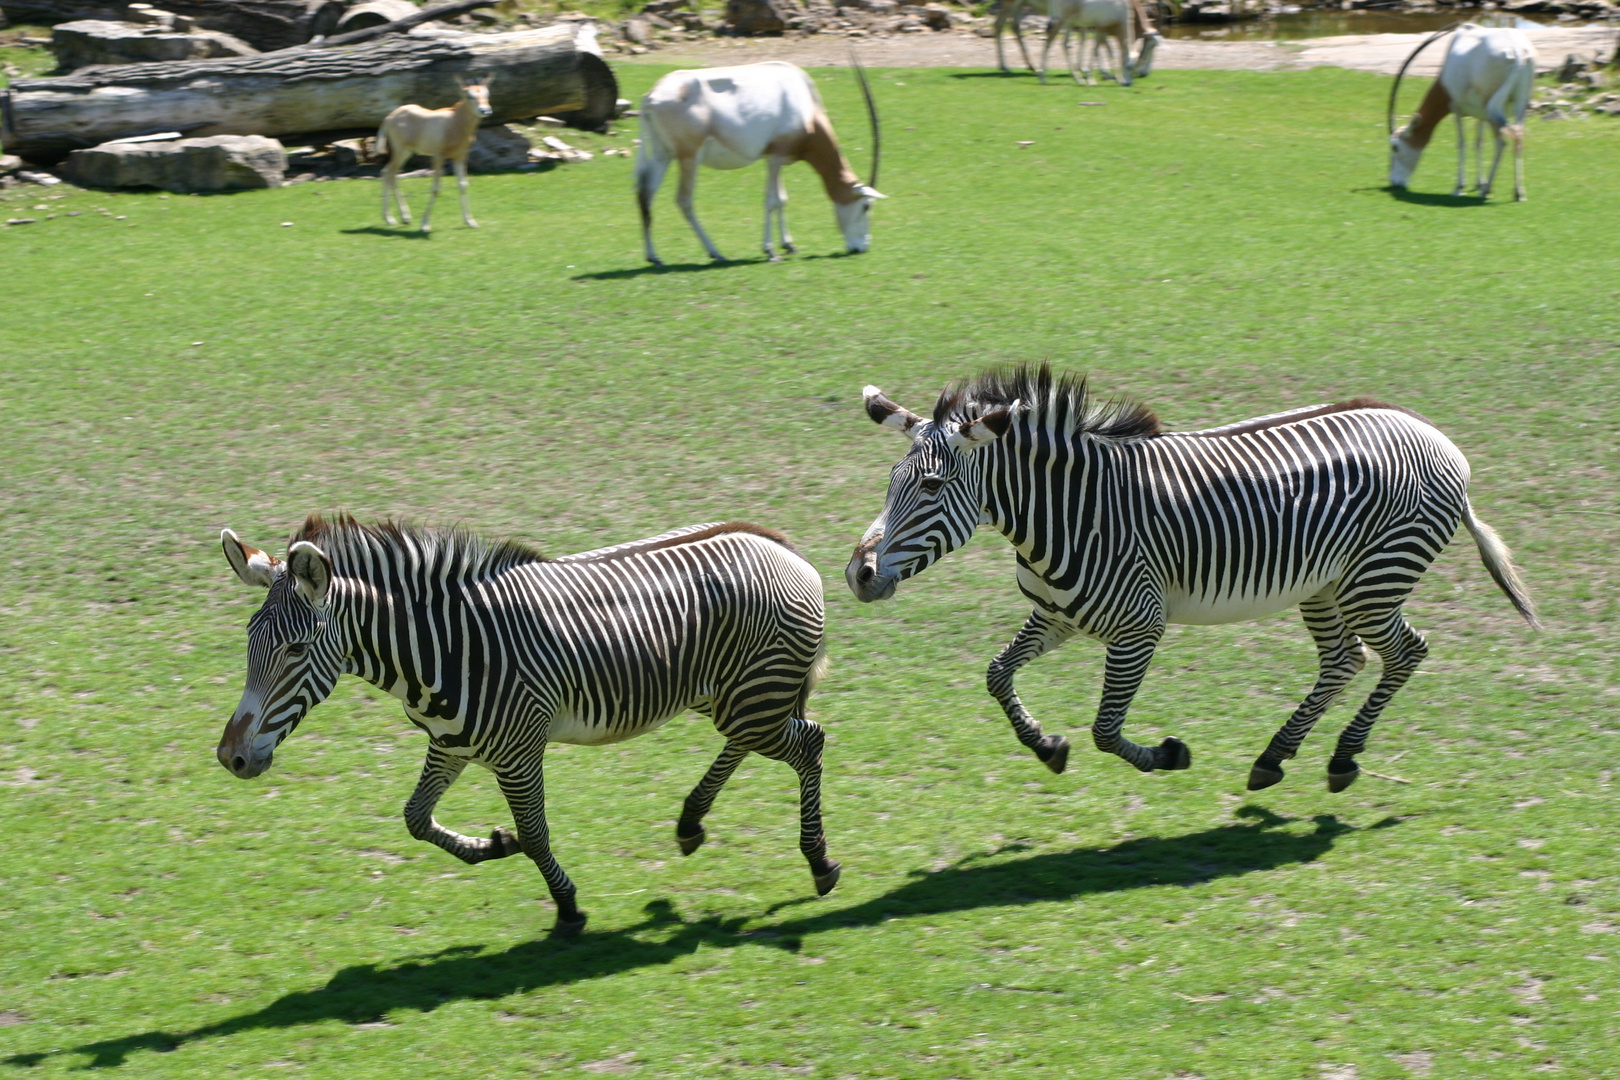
(1121, 527)
(496, 651)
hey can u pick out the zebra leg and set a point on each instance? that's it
(1127, 663)
(1402, 649)
(798, 742)
(524, 786)
(1040, 633)
(689, 832)
(1340, 656)
(439, 771)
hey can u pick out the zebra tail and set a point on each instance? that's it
(1498, 561)
(818, 671)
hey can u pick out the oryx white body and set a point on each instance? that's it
(1121, 21)
(440, 134)
(728, 118)
(1488, 75)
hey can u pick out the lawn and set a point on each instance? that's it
(1218, 244)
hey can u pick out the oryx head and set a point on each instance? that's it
(935, 493)
(294, 656)
(1403, 158)
(855, 217)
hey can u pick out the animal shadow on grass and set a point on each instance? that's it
(367, 993)
(406, 232)
(1433, 198)
(669, 268)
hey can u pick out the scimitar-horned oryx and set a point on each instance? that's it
(1121, 528)
(496, 652)
(729, 118)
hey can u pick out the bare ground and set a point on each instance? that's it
(1381, 53)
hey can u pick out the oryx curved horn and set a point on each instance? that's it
(871, 110)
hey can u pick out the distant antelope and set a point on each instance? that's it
(438, 133)
(1111, 20)
(1487, 74)
(728, 118)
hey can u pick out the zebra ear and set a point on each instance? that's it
(253, 566)
(987, 428)
(886, 413)
(311, 570)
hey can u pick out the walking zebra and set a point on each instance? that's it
(496, 651)
(1121, 528)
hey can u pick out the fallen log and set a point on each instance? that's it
(263, 24)
(307, 91)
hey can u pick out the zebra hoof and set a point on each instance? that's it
(1264, 774)
(1172, 754)
(691, 842)
(1340, 777)
(825, 882)
(569, 928)
(1053, 752)
(504, 842)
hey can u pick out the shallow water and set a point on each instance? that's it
(1315, 24)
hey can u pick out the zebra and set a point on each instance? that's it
(496, 651)
(1121, 527)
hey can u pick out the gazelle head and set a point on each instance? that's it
(477, 92)
(294, 657)
(935, 495)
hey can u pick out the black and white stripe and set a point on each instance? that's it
(1121, 528)
(496, 651)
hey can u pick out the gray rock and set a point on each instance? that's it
(95, 41)
(10, 163)
(751, 17)
(498, 149)
(638, 30)
(215, 163)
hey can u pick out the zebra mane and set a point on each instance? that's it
(461, 550)
(1063, 402)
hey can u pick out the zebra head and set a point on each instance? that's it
(293, 658)
(936, 495)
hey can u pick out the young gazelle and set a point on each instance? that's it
(438, 133)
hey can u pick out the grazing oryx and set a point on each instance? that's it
(727, 118)
(1119, 21)
(1121, 528)
(438, 133)
(496, 652)
(1487, 74)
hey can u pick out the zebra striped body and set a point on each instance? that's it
(496, 652)
(1121, 529)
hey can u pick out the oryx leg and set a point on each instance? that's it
(461, 182)
(776, 202)
(1052, 29)
(1040, 633)
(1124, 39)
(1462, 157)
(1496, 162)
(683, 199)
(438, 174)
(439, 771)
(1018, 33)
(524, 785)
(1340, 656)
(1128, 659)
(649, 177)
(689, 831)
(1515, 132)
(1479, 153)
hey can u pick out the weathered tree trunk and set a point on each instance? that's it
(264, 24)
(302, 91)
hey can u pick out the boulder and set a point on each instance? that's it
(638, 30)
(498, 149)
(750, 17)
(215, 163)
(94, 41)
(374, 13)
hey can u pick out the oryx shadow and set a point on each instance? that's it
(669, 268)
(401, 232)
(993, 73)
(1434, 198)
(367, 993)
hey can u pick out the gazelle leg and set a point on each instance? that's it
(1127, 663)
(1018, 32)
(1340, 656)
(439, 771)
(683, 199)
(461, 182)
(387, 184)
(524, 786)
(1040, 634)
(395, 164)
(689, 831)
(438, 174)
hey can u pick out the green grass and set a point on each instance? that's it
(1219, 244)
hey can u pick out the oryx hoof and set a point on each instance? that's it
(826, 880)
(504, 842)
(1172, 754)
(471, 224)
(788, 247)
(1342, 772)
(1266, 772)
(655, 260)
(690, 842)
(1053, 750)
(569, 928)
(771, 256)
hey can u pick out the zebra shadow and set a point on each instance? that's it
(369, 993)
